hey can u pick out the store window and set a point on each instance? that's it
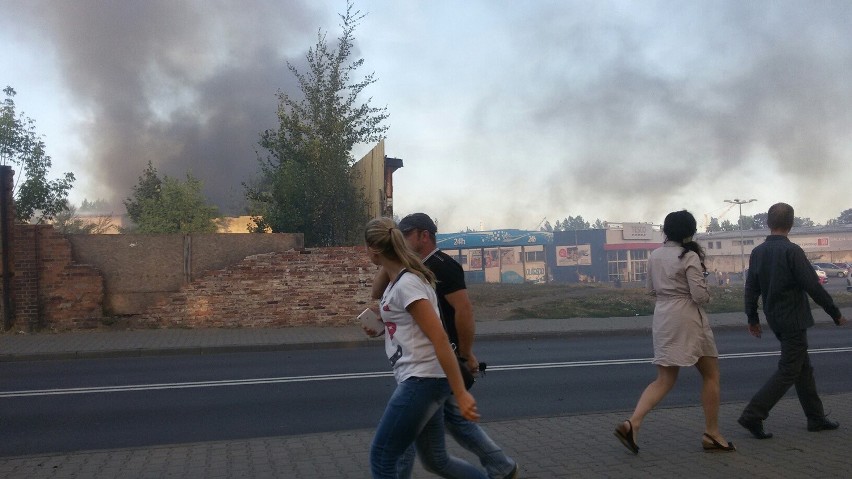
(531, 256)
(476, 260)
(639, 265)
(616, 265)
(627, 265)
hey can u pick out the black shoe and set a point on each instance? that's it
(755, 428)
(822, 425)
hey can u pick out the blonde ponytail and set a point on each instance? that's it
(383, 237)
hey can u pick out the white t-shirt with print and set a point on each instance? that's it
(409, 350)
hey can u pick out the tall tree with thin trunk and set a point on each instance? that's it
(306, 180)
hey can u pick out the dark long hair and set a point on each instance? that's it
(680, 226)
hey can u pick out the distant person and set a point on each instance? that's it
(424, 365)
(457, 315)
(681, 331)
(781, 276)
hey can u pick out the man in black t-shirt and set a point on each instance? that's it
(455, 306)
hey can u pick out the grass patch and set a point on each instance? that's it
(515, 301)
(613, 304)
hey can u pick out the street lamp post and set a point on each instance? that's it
(740, 203)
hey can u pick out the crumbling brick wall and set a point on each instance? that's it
(318, 287)
(51, 291)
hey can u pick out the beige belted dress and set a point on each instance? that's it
(680, 326)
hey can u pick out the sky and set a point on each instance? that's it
(505, 113)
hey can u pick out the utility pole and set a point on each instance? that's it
(740, 203)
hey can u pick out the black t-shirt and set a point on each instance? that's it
(450, 278)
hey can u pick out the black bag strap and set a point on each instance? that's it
(402, 272)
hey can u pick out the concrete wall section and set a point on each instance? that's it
(139, 270)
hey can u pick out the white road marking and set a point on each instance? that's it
(368, 375)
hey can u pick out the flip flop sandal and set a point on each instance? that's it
(626, 437)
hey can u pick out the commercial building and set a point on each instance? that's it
(500, 256)
(728, 251)
(617, 253)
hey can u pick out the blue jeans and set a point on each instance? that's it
(414, 416)
(469, 436)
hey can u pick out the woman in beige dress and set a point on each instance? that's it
(682, 335)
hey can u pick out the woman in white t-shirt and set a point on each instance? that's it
(424, 365)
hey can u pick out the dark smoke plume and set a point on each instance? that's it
(188, 85)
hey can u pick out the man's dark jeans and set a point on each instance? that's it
(794, 369)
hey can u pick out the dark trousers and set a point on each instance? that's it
(794, 369)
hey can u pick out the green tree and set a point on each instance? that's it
(148, 189)
(714, 226)
(37, 199)
(747, 222)
(179, 208)
(845, 217)
(306, 181)
(761, 221)
(728, 226)
(802, 222)
(572, 223)
(168, 205)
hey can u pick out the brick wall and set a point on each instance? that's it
(322, 287)
(60, 282)
(50, 290)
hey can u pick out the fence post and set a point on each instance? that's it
(187, 259)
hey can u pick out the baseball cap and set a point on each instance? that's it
(417, 221)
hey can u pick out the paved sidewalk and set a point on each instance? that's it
(194, 341)
(546, 447)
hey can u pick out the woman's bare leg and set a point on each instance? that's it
(708, 366)
(653, 394)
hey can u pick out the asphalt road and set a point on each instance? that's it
(62, 406)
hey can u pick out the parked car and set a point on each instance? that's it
(823, 278)
(832, 270)
(846, 266)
